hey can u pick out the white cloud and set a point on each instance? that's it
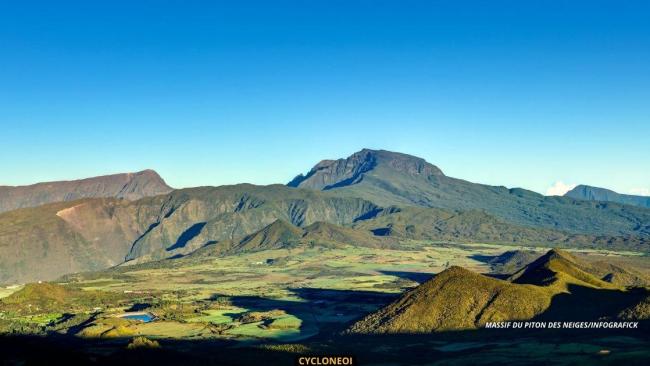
(640, 191)
(559, 188)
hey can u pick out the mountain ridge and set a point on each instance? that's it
(385, 197)
(591, 193)
(130, 186)
(385, 183)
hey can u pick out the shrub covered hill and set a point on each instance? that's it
(45, 297)
(283, 234)
(512, 261)
(372, 198)
(557, 286)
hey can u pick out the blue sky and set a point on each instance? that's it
(514, 93)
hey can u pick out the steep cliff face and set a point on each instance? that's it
(192, 218)
(45, 242)
(329, 174)
(130, 186)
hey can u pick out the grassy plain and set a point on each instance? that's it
(320, 289)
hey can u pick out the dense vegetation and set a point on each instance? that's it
(459, 299)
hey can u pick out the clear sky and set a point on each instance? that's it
(514, 93)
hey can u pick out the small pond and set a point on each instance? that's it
(143, 317)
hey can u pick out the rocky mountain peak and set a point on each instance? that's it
(328, 174)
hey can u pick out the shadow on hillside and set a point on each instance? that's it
(498, 276)
(55, 349)
(311, 298)
(314, 295)
(487, 346)
(483, 258)
(586, 303)
(482, 346)
(139, 306)
(327, 311)
(419, 277)
(187, 235)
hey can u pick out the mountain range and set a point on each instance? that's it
(388, 178)
(92, 233)
(372, 198)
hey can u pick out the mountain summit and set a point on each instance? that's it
(394, 179)
(130, 186)
(330, 174)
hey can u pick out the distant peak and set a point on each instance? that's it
(591, 193)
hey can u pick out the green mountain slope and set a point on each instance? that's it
(558, 268)
(44, 242)
(546, 270)
(191, 218)
(478, 226)
(554, 287)
(278, 234)
(325, 233)
(282, 234)
(389, 178)
(456, 299)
